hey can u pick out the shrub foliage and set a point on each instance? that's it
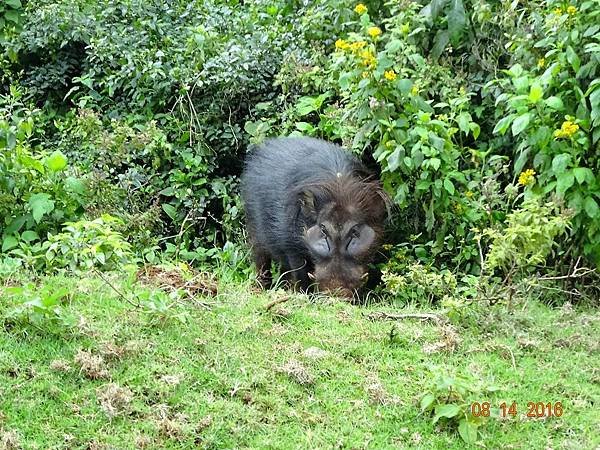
(472, 111)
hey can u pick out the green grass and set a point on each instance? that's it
(308, 373)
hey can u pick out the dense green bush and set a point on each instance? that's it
(415, 91)
(467, 109)
(150, 102)
(38, 191)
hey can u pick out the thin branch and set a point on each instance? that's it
(551, 288)
(380, 315)
(276, 302)
(481, 259)
(119, 293)
(577, 272)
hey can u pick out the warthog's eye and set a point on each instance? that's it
(360, 240)
(317, 239)
(325, 235)
(353, 235)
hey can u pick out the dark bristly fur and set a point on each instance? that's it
(312, 207)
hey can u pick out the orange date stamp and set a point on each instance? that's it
(534, 409)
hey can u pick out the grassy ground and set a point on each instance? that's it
(307, 373)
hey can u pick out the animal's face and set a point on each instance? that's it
(340, 243)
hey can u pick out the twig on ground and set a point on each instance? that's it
(119, 293)
(380, 315)
(276, 302)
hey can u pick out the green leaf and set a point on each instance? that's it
(467, 431)
(521, 84)
(393, 159)
(564, 181)
(503, 124)
(75, 185)
(101, 258)
(57, 161)
(344, 81)
(449, 186)
(439, 43)
(560, 163)
(16, 224)
(573, 59)
(9, 242)
(40, 205)
(555, 103)
(435, 163)
(393, 45)
(457, 19)
(448, 411)
(520, 123)
(583, 174)
(16, 4)
(29, 236)
(434, 8)
(536, 93)
(427, 401)
(516, 70)
(521, 161)
(305, 127)
(475, 129)
(404, 85)
(12, 15)
(591, 207)
(464, 119)
(170, 210)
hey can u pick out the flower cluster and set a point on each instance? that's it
(571, 10)
(527, 177)
(341, 44)
(373, 31)
(360, 9)
(368, 58)
(567, 129)
(389, 75)
(541, 63)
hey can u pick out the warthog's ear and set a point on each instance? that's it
(360, 240)
(307, 204)
(317, 241)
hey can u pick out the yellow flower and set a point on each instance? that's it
(360, 9)
(526, 178)
(368, 59)
(557, 11)
(341, 44)
(365, 74)
(373, 31)
(541, 63)
(414, 90)
(389, 75)
(469, 194)
(571, 10)
(356, 46)
(567, 129)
